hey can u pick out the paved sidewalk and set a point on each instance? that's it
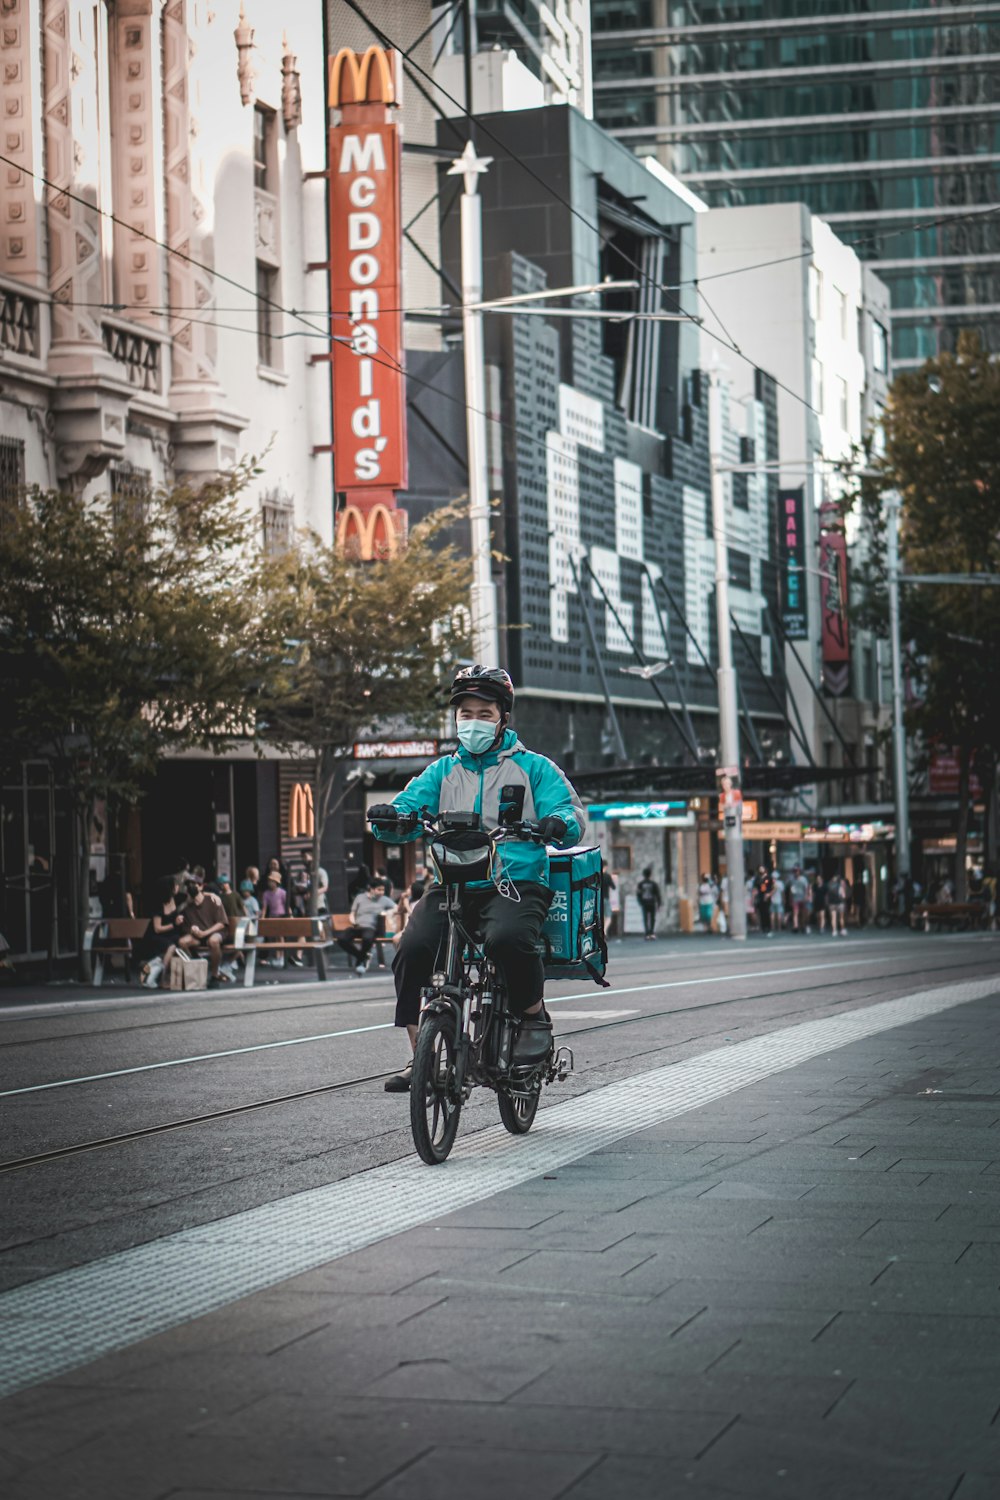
(791, 1292)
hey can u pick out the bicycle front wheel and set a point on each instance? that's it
(434, 1103)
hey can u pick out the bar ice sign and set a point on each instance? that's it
(365, 281)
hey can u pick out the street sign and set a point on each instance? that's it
(792, 555)
(636, 812)
(776, 833)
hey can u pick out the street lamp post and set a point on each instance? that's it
(729, 733)
(485, 635)
(899, 767)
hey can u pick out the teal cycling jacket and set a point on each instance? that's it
(471, 783)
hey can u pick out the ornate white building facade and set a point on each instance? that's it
(158, 319)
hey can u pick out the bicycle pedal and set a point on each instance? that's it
(563, 1064)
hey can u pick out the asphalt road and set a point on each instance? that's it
(79, 1073)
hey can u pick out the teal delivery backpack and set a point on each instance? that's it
(573, 934)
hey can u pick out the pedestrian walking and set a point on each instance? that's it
(650, 900)
(763, 891)
(836, 902)
(819, 900)
(799, 891)
(609, 892)
(778, 903)
(706, 902)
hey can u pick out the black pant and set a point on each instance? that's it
(359, 943)
(648, 917)
(510, 932)
(764, 913)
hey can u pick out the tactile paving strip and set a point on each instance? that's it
(69, 1319)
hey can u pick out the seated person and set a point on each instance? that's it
(490, 756)
(366, 914)
(205, 925)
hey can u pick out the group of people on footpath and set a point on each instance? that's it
(192, 913)
(804, 900)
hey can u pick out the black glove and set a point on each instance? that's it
(552, 830)
(383, 812)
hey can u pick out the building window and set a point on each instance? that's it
(263, 148)
(842, 312)
(817, 386)
(130, 490)
(276, 512)
(815, 293)
(845, 417)
(267, 295)
(880, 348)
(11, 474)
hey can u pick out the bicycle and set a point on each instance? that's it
(466, 1031)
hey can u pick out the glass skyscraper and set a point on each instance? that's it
(882, 115)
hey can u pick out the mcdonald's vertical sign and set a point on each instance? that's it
(369, 406)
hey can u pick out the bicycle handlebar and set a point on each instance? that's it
(406, 822)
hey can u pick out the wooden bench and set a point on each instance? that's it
(965, 916)
(111, 935)
(286, 934)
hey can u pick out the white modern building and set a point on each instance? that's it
(776, 281)
(157, 314)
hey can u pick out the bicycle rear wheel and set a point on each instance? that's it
(434, 1105)
(518, 1112)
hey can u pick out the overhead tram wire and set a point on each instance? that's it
(191, 260)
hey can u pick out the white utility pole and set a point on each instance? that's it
(899, 766)
(485, 635)
(729, 724)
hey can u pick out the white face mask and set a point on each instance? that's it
(476, 736)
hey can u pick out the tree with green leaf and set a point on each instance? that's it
(123, 630)
(942, 456)
(345, 646)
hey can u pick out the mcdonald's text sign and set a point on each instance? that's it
(369, 407)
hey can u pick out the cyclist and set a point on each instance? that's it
(489, 758)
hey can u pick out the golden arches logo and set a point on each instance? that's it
(371, 536)
(301, 818)
(360, 72)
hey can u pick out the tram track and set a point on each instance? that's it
(125, 1137)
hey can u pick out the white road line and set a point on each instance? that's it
(76, 1316)
(326, 1036)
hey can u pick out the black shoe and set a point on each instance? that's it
(534, 1039)
(294, 959)
(399, 1083)
(215, 983)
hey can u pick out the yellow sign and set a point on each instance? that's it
(359, 72)
(371, 536)
(301, 819)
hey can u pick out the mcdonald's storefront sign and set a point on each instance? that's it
(371, 535)
(301, 818)
(369, 406)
